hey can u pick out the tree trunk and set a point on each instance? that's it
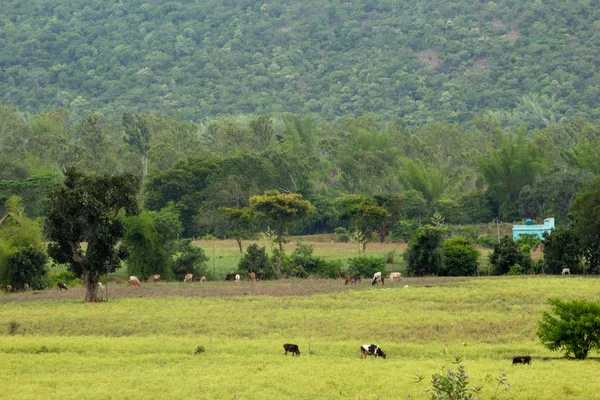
(91, 286)
(239, 242)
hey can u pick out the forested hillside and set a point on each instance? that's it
(531, 62)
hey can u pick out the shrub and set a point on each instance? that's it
(199, 350)
(506, 254)
(561, 250)
(188, 259)
(342, 234)
(515, 270)
(302, 263)
(255, 260)
(460, 257)
(366, 266)
(425, 253)
(575, 329)
(26, 265)
(65, 276)
(454, 385)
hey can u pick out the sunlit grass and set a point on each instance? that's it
(131, 348)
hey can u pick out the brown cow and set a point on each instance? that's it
(252, 277)
(134, 282)
(202, 278)
(352, 279)
(9, 288)
(154, 278)
(188, 277)
(341, 274)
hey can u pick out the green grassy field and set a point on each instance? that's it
(140, 344)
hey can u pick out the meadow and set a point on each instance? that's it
(142, 342)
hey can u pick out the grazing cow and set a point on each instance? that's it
(566, 271)
(237, 278)
(26, 286)
(371, 350)
(349, 279)
(202, 278)
(341, 274)
(61, 285)
(154, 278)
(252, 277)
(395, 275)
(188, 277)
(9, 288)
(292, 348)
(377, 276)
(134, 282)
(522, 360)
(230, 277)
(134, 278)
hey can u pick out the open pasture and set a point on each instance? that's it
(143, 347)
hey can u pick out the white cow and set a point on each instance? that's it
(566, 271)
(377, 276)
(395, 275)
(237, 278)
(134, 278)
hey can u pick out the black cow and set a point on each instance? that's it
(371, 350)
(522, 360)
(292, 348)
(61, 285)
(230, 277)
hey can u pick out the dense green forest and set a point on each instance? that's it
(405, 173)
(527, 62)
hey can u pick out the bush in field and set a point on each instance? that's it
(187, 259)
(454, 385)
(574, 329)
(425, 253)
(256, 260)
(515, 270)
(460, 257)
(303, 263)
(66, 277)
(561, 250)
(26, 265)
(342, 234)
(366, 266)
(506, 254)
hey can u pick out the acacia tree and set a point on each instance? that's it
(280, 210)
(86, 210)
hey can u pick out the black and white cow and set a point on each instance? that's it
(371, 350)
(61, 286)
(292, 348)
(377, 276)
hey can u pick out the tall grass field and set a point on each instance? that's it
(222, 340)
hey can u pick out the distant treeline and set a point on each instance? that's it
(466, 175)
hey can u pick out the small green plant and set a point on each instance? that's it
(199, 350)
(342, 234)
(42, 349)
(454, 385)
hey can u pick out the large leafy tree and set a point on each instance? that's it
(508, 169)
(280, 210)
(86, 210)
(365, 215)
(585, 215)
(561, 250)
(506, 254)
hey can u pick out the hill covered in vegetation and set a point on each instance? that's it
(529, 62)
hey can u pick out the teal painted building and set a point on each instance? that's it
(531, 229)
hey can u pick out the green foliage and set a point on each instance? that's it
(461, 258)
(561, 250)
(280, 209)
(405, 229)
(187, 259)
(256, 260)
(585, 215)
(26, 265)
(515, 270)
(199, 350)
(86, 210)
(506, 254)
(64, 276)
(425, 252)
(342, 234)
(574, 328)
(366, 266)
